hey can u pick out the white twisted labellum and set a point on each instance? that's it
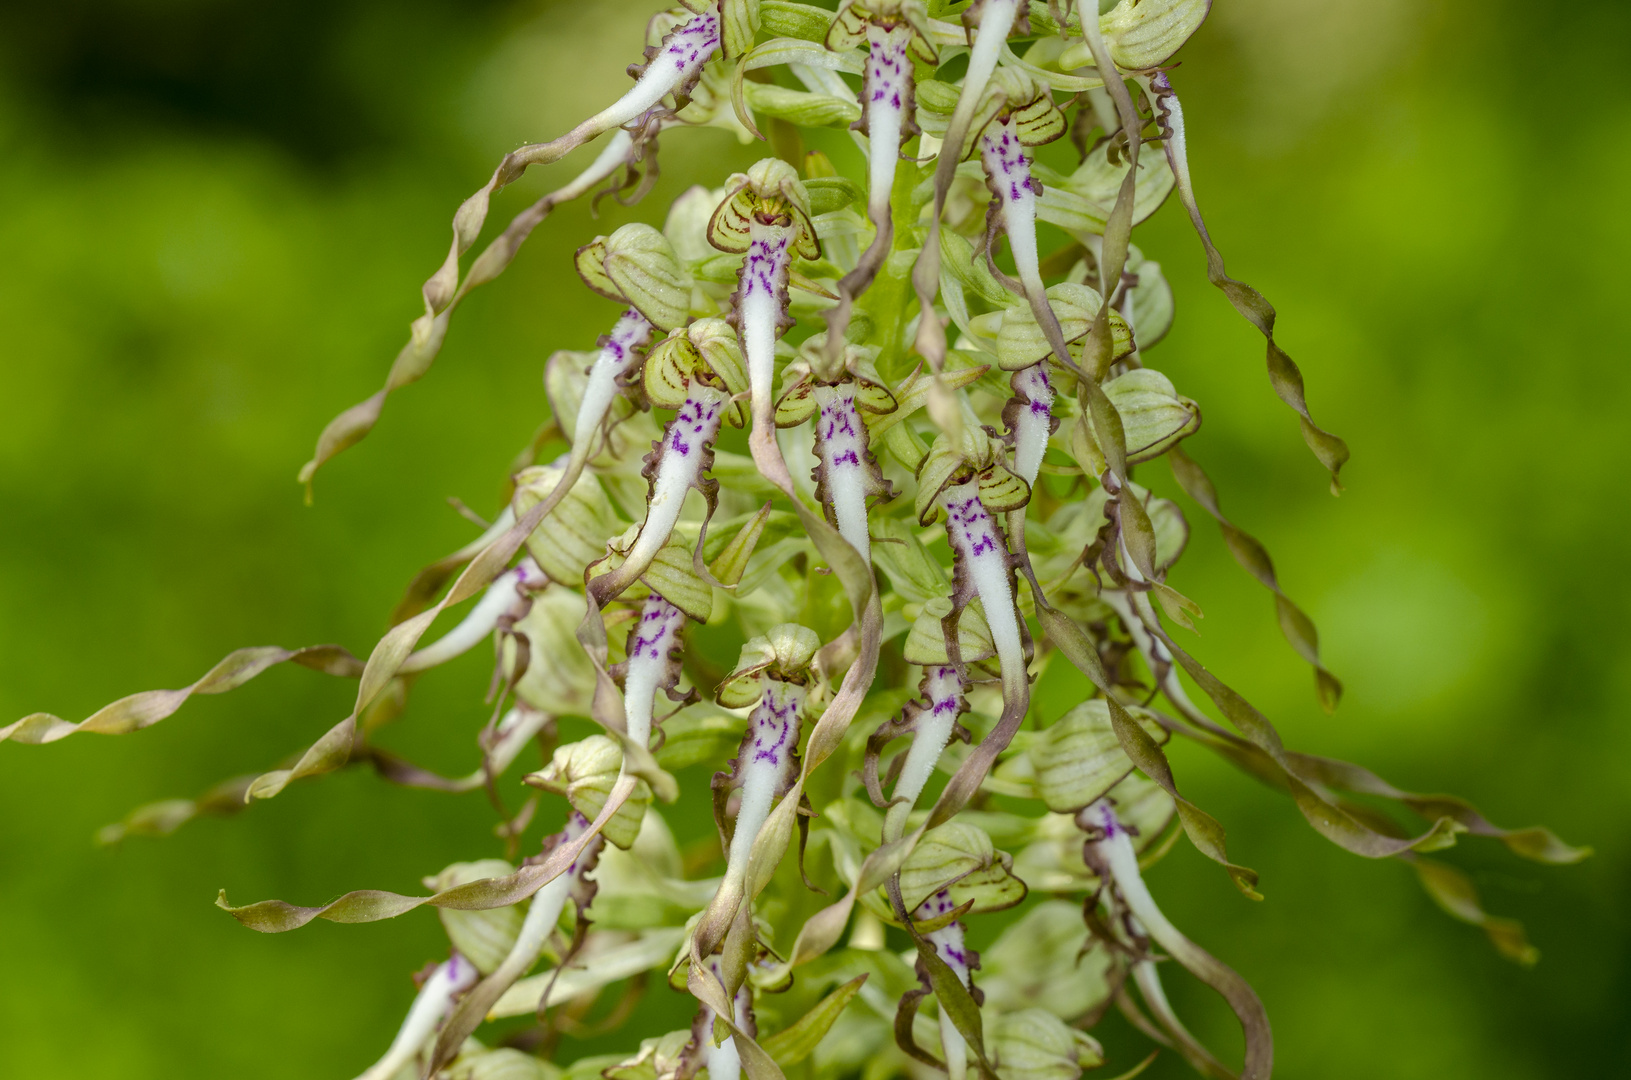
(548, 903)
(675, 65)
(949, 942)
(447, 982)
(765, 765)
(762, 308)
(978, 543)
(651, 642)
(887, 90)
(1032, 421)
(618, 352)
(506, 596)
(1008, 171)
(1112, 853)
(681, 458)
(847, 471)
(942, 704)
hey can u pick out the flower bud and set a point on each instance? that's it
(637, 266)
(784, 652)
(484, 937)
(960, 858)
(574, 535)
(1036, 1045)
(1143, 34)
(585, 773)
(1020, 342)
(559, 680)
(1078, 757)
(1154, 418)
(801, 107)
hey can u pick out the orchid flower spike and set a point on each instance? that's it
(847, 475)
(697, 372)
(766, 215)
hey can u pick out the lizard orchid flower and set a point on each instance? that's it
(847, 475)
(766, 216)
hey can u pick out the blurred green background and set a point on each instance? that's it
(214, 220)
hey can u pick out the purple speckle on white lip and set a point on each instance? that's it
(969, 526)
(1006, 163)
(773, 723)
(630, 332)
(692, 44)
(766, 264)
(848, 474)
(948, 940)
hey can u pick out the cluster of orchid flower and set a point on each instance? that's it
(881, 703)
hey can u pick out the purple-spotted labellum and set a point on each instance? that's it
(949, 943)
(978, 545)
(696, 372)
(672, 67)
(636, 266)
(847, 475)
(1138, 920)
(929, 723)
(896, 34)
(773, 674)
(765, 216)
(1024, 116)
(995, 19)
(1030, 419)
(973, 485)
(652, 665)
(447, 981)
